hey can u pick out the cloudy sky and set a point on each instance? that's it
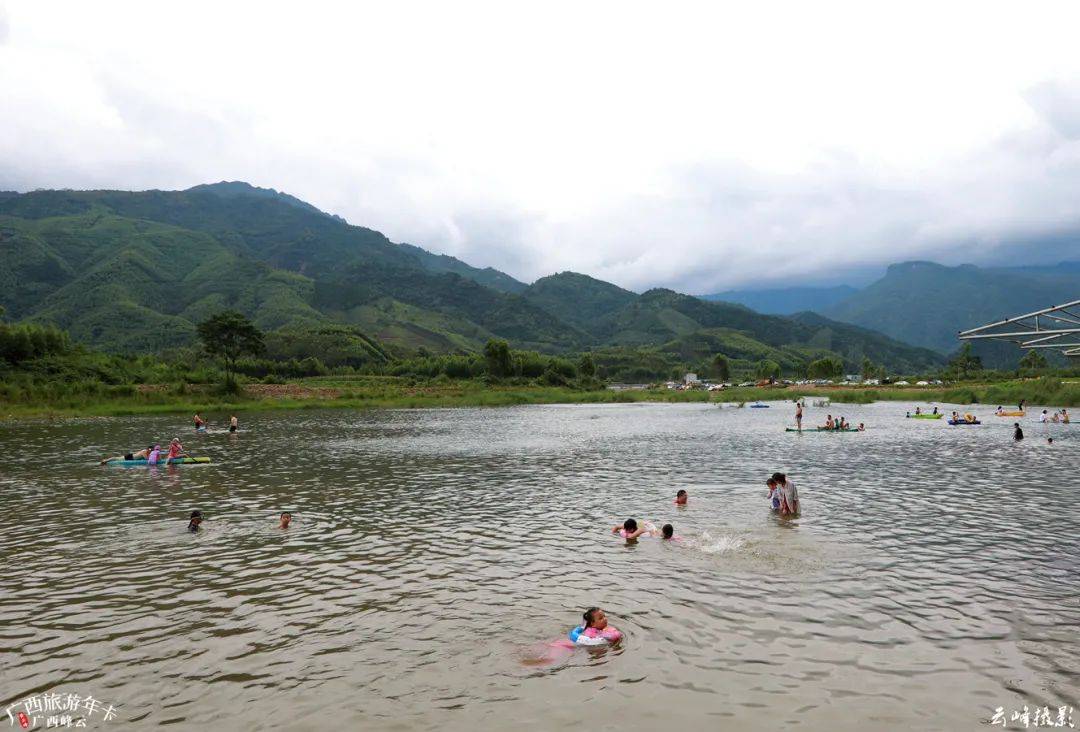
(695, 146)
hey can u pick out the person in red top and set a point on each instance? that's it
(176, 450)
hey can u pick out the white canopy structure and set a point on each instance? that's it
(1057, 327)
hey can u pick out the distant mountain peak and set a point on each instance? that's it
(239, 188)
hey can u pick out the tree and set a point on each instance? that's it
(767, 369)
(721, 368)
(825, 368)
(497, 358)
(230, 335)
(586, 366)
(1034, 361)
(965, 362)
(869, 370)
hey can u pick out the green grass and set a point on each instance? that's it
(388, 392)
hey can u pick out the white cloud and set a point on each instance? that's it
(700, 146)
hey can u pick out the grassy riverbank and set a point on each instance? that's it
(388, 392)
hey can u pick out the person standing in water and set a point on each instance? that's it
(200, 423)
(681, 498)
(789, 495)
(194, 521)
(1018, 434)
(798, 416)
(233, 423)
(773, 493)
(286, 517)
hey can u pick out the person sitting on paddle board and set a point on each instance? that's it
(681, 498)
(999, 411)
(935, 411)
(629, 530)
(200, 423)
(140, 455)
(918, 410)
(843, 424)
(828, 422)
(176, 450)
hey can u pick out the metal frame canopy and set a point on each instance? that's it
(1057, 327)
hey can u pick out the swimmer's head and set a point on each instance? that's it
(630, 526)
(681, 497)
(669, 531)
(594, 618)
(196, 519)
(286, 517)
(1050, 440)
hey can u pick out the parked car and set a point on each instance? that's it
(902, 383)
(747, 383)
(922, 383)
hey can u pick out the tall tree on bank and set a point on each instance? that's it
(825, 368)
(721, 368)
(1034, 361)
(229, 335)
(497, 358)
(767, 369)
(965, 362)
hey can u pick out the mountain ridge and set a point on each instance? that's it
(153, 263)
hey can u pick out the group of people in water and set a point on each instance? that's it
(200, 423)
(631, 531)
(196, 519)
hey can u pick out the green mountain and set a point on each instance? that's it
(926, 304)
(578, 299)
(135, 271)
(259, 251)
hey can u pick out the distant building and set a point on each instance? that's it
(690, 379)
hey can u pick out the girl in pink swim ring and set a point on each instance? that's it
(595, 630)
(629, 530)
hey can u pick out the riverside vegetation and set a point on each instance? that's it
(42, 372)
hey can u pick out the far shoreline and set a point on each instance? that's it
(330, 393)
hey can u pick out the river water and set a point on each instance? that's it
(932, 576)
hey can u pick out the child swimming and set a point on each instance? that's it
(629, 530)
(595, 630)
(681, 497)
(668, 533)
(286, 517)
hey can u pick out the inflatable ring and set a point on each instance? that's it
(607, 635)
